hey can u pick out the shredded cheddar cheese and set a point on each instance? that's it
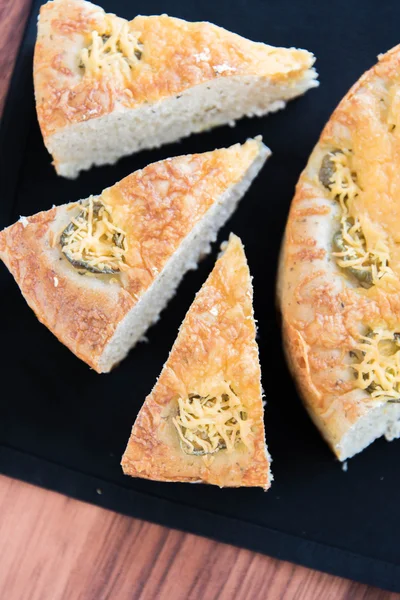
(342, 182)
(368, 262)
(113, 49)
(378, 370)
(93, 242)
(211, 423)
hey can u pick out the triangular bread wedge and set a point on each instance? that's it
(99, 271)
(106, 87)
(203, 421)
(339, 284)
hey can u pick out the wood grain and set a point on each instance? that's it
(13, 15)
(56, 548)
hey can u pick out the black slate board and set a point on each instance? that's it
(64, 427)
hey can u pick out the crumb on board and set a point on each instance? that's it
(202, 56)
(24, 221)
(344, 466)
(224, 68)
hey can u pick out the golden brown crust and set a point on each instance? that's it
(83, 319)
(324, 310)
(157, 207)
(176, 55)
(216, 343)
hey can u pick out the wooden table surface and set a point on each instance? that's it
(52, 547)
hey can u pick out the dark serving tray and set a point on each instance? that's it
(64, 427)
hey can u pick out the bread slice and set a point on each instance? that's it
(106, 87)
(99, 271)
(203, 420)
(339, 283)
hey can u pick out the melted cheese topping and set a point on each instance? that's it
(113, 49)
(93, 241)
(358, 254)
(208, 424)
(342, 182)
(379, 368)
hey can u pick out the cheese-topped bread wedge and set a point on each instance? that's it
(203, 421)
(98, 272)
(106, 87)
(339, 282)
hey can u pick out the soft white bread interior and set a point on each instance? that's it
(106, 87)
(380, 420)
(108, 138)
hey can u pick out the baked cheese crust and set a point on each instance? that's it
(339, 286)
(203, 421)
(83, 266)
